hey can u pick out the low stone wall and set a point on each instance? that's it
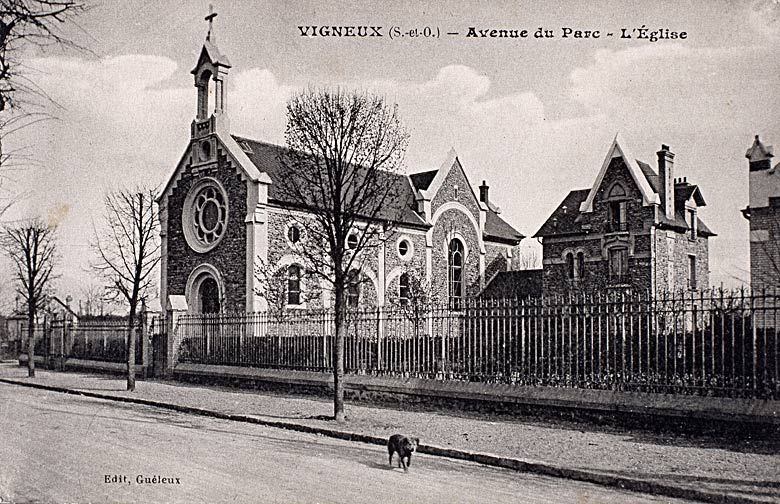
(580, 403)
(85, 365)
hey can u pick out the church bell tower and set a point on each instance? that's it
(211, 82)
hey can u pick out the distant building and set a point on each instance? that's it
(763, 212)
(634, 228)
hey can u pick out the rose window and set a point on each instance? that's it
(210, 215)
(205, 215)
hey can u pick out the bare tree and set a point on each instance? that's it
(415, 298)
(32, 248)
(344, 154)
(25, 23)
(128, 251)
(93, 301)
(525, 259)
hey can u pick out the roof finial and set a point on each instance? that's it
(210, 19)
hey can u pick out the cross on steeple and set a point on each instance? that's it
(210, 19)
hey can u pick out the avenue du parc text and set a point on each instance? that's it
(643, 32)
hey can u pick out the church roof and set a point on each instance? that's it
(211, 52)
(268, 158)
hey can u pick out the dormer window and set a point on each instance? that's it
(691, 221)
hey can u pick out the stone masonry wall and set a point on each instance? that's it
(765, 247)
(229, 256)
(598, 239)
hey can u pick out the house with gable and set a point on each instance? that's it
(635, 228)
(222, 215)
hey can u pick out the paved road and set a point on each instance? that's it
(61, 448)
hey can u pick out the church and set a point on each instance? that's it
(222, 215)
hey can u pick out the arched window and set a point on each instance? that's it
(293, 285)
(208, 294)
(403, 289)
(353, 289)
(570, 266)
(203, 95)
(580, 265)
(617, 191)
(455, 267)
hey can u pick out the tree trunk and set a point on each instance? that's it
(31, 345)
(338, 358)
(131, 352)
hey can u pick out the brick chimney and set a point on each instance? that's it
(666, 179)
(483, 192)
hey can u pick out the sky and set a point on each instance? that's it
(533, 117)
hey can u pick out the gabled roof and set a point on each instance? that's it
(758, 151)
(267, 158)
(497, 229)
(567, 219)
(649, 197)
(212, 54)
(422, 180)
(684, 192)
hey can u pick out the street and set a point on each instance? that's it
(63, 448)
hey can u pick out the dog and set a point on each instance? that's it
(404, 447)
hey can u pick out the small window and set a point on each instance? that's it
(692, 224)
(245, 146)
(294, 285)
(403, 289)
(352, 241)
(403, 248)
(570, 266)
(692, 272)
(580, 273)
(205, 150)
(617, 191)
(353, 289)
(293, 234)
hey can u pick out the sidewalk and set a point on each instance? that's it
(673, 465)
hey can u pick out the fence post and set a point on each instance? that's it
(142, 334)
(176, 307)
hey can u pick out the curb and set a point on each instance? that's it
(624, 483)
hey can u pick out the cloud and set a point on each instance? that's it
(764, 17)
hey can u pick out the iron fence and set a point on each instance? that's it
(100, 340)
(722, 343)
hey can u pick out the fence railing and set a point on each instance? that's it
(101, 340)
(721, 343)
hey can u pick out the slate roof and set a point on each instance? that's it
(266, 157)
(422, 180)
(565, 219)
